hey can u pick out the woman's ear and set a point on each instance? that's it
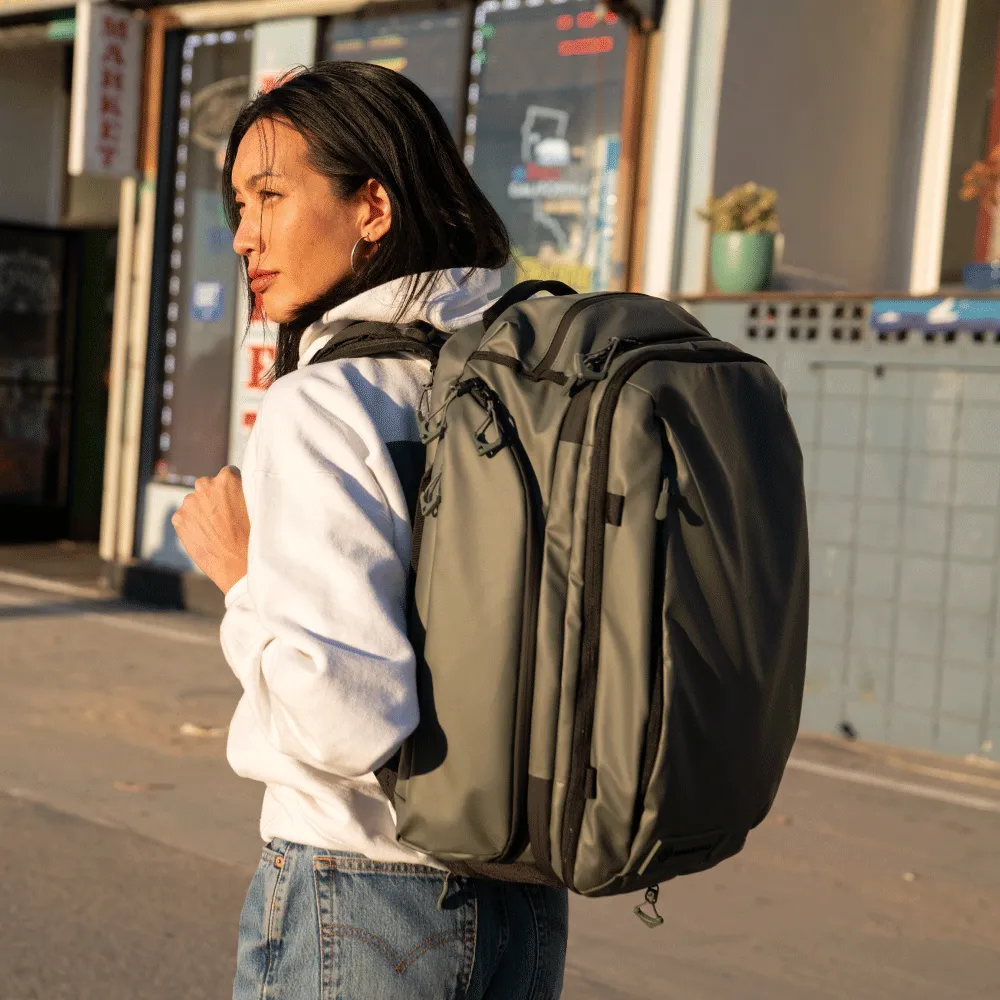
(377, 212)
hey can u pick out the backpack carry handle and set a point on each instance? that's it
(519, 293)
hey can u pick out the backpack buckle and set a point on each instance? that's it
(429, 429)
(596, 367)
(430, 498)
(488, 445)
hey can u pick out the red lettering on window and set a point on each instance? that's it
(110, 106)
(586, 19)
(249, 419)
(108, 155)
(113, 81)
(586, 46)
(564, 22)
(111, 130)
(261, 360)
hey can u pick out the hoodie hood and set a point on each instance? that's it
(455, 298)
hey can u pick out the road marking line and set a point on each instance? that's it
(53, 586)
(125, 624)
(893, 785)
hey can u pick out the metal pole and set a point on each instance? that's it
(116, 379)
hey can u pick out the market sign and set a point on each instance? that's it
(107, 78)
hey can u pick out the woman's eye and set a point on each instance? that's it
(268, 195)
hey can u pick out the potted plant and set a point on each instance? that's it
(744, 223)
(982, 182)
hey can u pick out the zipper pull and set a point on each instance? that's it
(595, 367)
(654, 919)
(663, 504)
(430, 498)
(489, 436)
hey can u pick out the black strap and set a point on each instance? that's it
(366, 339)
(519, 293)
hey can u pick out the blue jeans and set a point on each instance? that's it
(322, 925)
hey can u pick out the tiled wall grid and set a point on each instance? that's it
(901, 441)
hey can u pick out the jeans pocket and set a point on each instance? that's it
(388, 931)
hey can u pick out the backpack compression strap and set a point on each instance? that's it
(365, 339)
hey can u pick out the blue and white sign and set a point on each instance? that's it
(208, 301)
(932, 315)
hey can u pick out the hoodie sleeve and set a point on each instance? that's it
(316, 631)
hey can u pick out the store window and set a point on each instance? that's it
(430, 48)
(543, 133)
(34, 384)
(203, 273)
(969, 234)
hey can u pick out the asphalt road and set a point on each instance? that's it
(126, 845)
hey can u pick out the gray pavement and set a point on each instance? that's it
(127, 845)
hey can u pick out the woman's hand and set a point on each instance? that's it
(213, 526)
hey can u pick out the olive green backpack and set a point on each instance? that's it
(610, 592)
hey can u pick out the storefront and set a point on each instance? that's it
(542, 97)
(57, 270)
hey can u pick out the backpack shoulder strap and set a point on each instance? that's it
(368, 339)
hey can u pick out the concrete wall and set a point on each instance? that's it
(825, 102)
(33, 132)
(903, 482)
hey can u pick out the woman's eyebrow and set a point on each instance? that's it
(255, 181)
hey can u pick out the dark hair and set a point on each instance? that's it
(362, 122)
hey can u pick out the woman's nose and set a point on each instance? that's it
(247, 238)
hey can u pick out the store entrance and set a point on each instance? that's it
(56, 293)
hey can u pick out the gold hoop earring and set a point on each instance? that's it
(354, 252)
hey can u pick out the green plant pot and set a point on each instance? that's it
(741, 262)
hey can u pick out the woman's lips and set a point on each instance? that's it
(260, 281)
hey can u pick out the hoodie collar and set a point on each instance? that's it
(455, 298)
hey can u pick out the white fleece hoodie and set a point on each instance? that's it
(316, 631)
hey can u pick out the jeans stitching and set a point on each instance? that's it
(399, 963)
(533, 901)
(366, 866)
(471, 940)
(325, 965)
(272, 945)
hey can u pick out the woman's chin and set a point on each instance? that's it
(275, 310)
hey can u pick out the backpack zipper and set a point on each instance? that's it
(593, 582)
(500, 422)
(654, 724)
(562, 329)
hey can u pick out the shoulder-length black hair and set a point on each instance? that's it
(364, 122)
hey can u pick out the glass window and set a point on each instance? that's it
(203, 272)
(976, 130)
(34, 400)
(544, 130)
(429, 48)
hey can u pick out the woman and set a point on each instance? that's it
(349, 200)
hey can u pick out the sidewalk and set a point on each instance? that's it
(875, 877)
(74, 563)
(62, 566)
